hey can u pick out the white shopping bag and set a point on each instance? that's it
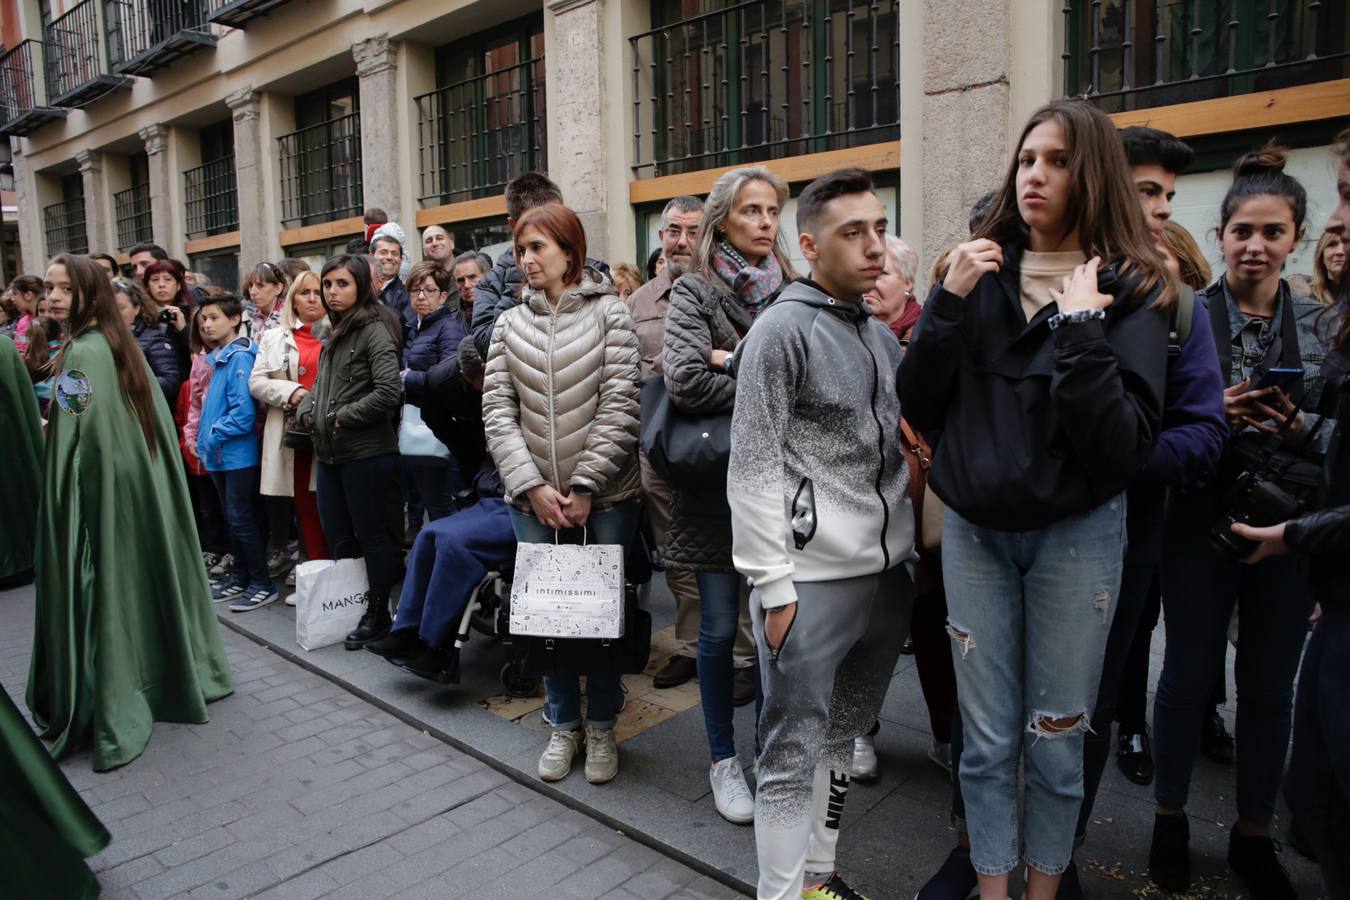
(330, 598)
(568, 591)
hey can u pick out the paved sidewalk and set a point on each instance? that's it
(895, 833)
(297, 789)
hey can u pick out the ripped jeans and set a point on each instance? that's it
(1029, 614)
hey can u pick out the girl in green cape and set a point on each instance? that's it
(125, 634)
(20, 460)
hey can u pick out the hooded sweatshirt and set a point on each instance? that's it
(227, 438)
(817, 480)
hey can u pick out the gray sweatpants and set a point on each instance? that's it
(825, 687)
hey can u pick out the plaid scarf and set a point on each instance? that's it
(754, 286)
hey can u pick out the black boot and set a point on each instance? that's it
(398, 646)
(1134, 755)
(374, 624)
(440, 666)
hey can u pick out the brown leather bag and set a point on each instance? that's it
(928, 509)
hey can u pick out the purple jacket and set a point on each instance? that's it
(1191, 442)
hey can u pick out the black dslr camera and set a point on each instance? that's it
(1255, 499)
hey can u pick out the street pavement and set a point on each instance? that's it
(299, 789)
(332, 773)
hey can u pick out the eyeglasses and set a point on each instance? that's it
(676, 232)
(426, 292)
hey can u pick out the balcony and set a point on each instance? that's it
(64, 224)
(765, 79)
(212, 198)
(77, 65)
(478, 134)
(24, 106)
(1124, 56)
(238, 13)
(146, 35)
(321, 171)
(131, 210)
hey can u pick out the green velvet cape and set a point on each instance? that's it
(21, 461)
(46, 830)
(125, 633)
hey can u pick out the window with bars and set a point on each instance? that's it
(486, 123)
(64, 225)
(212, 198)
(131, 211)
(745, 82)
(1136, 54)
(321, 171)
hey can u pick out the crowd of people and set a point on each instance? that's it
(1078, 432)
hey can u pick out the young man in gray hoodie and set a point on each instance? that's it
(821, 528)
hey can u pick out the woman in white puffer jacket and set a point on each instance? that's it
(561, 410)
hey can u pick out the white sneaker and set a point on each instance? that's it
(602, 755)
(731, 795)
(865, 767)
(940, 754)
(556, 760)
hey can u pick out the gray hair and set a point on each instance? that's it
(386, 239)
(473, 256)
(905, 256)
(718, 206)
(685, 204)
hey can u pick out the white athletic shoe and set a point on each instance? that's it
(556, 760)
(602, 755)
(731, 795)
(865, 767)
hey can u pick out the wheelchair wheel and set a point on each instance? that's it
(517, 683)
(484, 618)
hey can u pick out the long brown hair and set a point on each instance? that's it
(38, 356)
(1195, 271)
(93, 308)
(1324, 287)
(1103, 205)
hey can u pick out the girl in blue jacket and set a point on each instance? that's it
(228, 445)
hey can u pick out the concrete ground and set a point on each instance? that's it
(896, 832)
(334, 773)
(297, 788)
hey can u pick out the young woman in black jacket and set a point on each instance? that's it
(1038, 367)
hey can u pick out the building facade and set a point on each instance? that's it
(235, 131)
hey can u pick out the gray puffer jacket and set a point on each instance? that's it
(704, 316)
(560, 396)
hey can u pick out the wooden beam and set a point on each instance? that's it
(873, 158)
(464, 211)
(214, 242)
(1265, 109)
(324, 231)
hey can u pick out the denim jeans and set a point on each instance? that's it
(719, 613)
(562, 706)
(242, 503)
(353, 507)
(1135, 582)
(1318, 789)
(432, 482)
(1200, 587)
(1029, 615)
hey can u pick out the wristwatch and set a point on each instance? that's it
(1075, 317)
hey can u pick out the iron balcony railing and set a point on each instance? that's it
(321, 171)
(23, 90)
(77, 62)
(1126, 55)
(212, 198)
(131, 210)
(476, 135)
(238, 13)
(64, 224)
(145, 35)
(763, 79)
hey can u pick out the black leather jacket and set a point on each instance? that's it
(1325, 534)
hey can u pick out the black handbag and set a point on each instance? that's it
(626, 655)
(686, 449)
(295, 437)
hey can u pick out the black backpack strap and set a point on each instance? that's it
(1217, 303)
(1291, 357)
(1179, 327)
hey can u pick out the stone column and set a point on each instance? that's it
(577, 113)
(382, 156)
(30, 198)
(253, 179)
(99, 226)
(156, 140)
